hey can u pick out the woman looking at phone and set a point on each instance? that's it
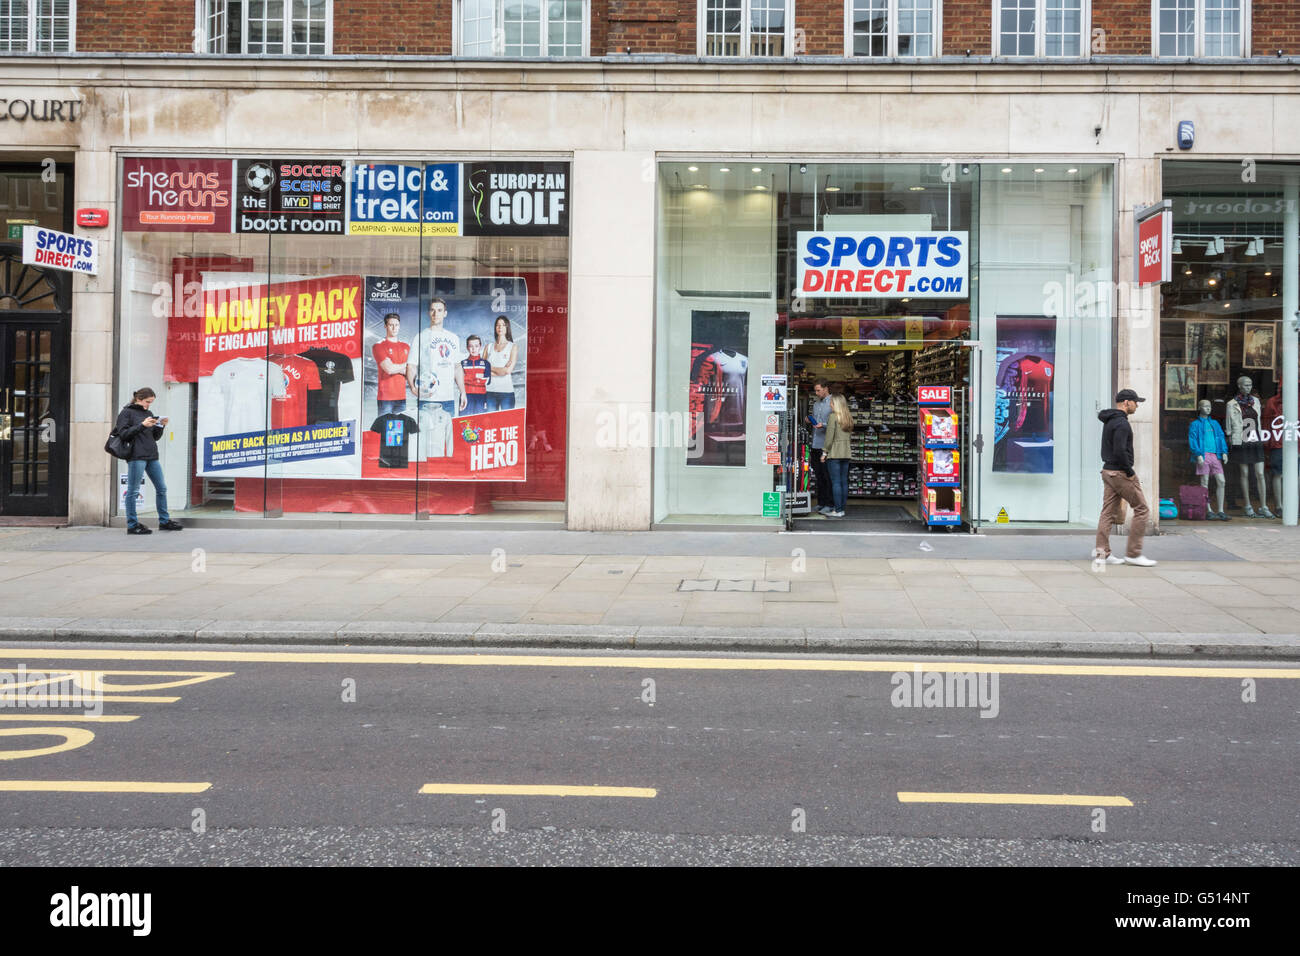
(137, 426)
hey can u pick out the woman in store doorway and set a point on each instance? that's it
(836, 453)
(137, 427)
(502, 355)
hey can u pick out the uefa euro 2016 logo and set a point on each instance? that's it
(471, 434)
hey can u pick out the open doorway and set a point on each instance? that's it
(912, 467)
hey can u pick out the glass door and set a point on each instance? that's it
(33, 417)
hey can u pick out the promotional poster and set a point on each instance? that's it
(719, 366)
(363, 377)
(444, 382)
(1026, 365)
(1207, 348)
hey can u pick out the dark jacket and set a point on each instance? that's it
(144, 441)
(1116, 441)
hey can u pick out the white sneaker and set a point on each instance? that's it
(1142, 561)
(1114, 559)
(836, 514)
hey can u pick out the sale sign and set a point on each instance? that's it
(883, 265)
(250, 321)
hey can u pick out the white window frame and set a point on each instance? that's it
(498, 27)
(1198, 26)
(33, 18)
(1040, 41)
(891, 43)
(204, 42)
(701, 32)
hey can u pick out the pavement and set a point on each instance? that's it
(1230, 591)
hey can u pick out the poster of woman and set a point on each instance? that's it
(1180, 388)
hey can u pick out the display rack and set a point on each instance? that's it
(883, 451)
(938, 442)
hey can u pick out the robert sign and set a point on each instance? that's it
(58, 250)
(883, 265)
(516, 199)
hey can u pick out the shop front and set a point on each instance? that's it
(1228, 356)
(343, 335)
(963, 311)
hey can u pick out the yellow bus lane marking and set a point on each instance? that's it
(102, 718)
(1037, 799)
(7, 700)
(99, 786)
(665, 663)
(535, 790)
(73, 737)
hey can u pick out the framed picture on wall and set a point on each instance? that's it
(1258, 345)
(1207, 348)
(1180, 388)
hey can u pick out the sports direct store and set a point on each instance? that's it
(349, 336)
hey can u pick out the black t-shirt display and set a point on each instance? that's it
(335, 370)
(394, 433)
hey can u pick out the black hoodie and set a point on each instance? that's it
(1116, 441)
(130, 428)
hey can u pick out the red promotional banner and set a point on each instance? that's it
(250, 321)
(1153, 252)
(483, 447)
(177, 195)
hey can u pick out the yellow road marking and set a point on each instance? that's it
(535, 790)
(660, 663)
(73, 737)
(99, 786)
(1042, 799)
(42, 718)
(8, 700)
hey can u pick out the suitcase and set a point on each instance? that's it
(1195, 502)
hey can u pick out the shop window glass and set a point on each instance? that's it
(351, 361)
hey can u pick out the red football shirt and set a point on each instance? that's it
(300, 376)
(392, 388)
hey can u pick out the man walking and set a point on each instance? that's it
(1121, 482)
(821, 412)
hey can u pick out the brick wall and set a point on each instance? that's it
(392, 27)
(967, 25)
(664, 27)
(1126, 25)
(135, 26)
(1275, 25)
(822, 23)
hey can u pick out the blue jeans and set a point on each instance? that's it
(475, 403)
(839, 470)
(500, 401)
(135, 470)
(392, 406)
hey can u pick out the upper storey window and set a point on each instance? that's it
(37, 26)
(270, 27)
(521, 28)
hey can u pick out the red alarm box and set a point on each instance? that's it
(92, 218)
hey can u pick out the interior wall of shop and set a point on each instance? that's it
(1045, 248)
(615, 121)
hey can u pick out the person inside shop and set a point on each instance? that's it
(502, 356)
(390, 357)
(821, 411)
(141, 430)
(835, 454)
(1275, 431)
(1209, 448)
(433, 371)
(1121, 482)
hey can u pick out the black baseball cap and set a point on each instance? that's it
(1127, 395)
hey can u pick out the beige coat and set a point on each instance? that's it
(837, 439)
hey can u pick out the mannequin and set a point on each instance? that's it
(1246, 441)
(1210, 449)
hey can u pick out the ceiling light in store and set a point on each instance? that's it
(756, 169)
(724, 169)
(699, 186)
(916, 189)
(1218, 244)
(832, 189)
(1227, 305)
(1178, 247)
(694, 169)
(1255, 247)
(1072, 170)
(1268, 272)
(1187, 271)
(1006, 169)
(904, 300)
(1211, 249)
(1212, 281)
(760, 187)
(1038, 169)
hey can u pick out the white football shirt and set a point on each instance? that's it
(437, 354)
(239, 388)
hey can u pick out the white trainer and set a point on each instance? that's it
(1114, 559)
(1142, 561)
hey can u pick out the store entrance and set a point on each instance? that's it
(913, 468)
